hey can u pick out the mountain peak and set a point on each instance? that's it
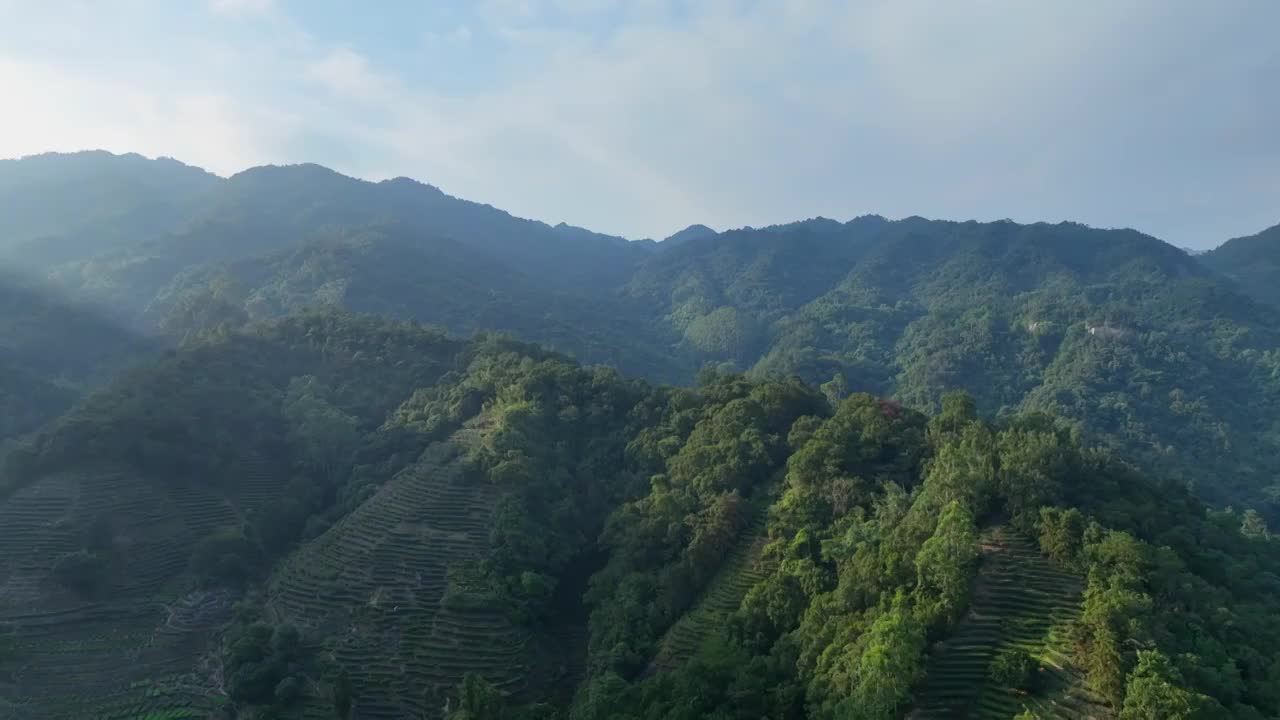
(403, 181)
(295, 170)
(692, 232)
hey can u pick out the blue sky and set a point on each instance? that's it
(639, 118)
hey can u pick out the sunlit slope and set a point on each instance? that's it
(1020, 602)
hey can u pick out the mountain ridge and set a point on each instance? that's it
(1058, 317)
(300, 512)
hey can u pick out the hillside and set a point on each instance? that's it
(133, 522)
(906, 556)
(340, 516)
(285, 510)
(150, 533)
(1021, 606)
(393, 271)
(1253, 262)
(1126, 336)
(1147, 350)
(52, 351)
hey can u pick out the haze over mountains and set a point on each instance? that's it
(414, 524)
(1148, 349)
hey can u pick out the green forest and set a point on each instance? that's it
(290, 445)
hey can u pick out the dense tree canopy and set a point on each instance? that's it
(913, 446)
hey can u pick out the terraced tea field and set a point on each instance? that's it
(1020, 601)
(131, 655)
(386, 587)
(740, 571)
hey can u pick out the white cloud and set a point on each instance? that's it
(348, 74)
(1131, 113)
(67, 112)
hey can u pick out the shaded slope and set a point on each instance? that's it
(130, 648)
(309, 197)
(59, 207)
(738, 573)
(390, 270)
(389, 586)
(52, 351)
(1253, 262)
(119, 517)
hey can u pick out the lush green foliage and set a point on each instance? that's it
(1135, 342)
(872, 538)
(1129, 338)
(1016, 669)
(875, 544)
(482, 529)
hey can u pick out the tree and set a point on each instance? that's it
(1062, 536)
(1154, 692)
(889, 666)
(1016, 669)
(945, 563)
(835, 389)
(964, 469)
(958, 410)
(262, 664)
(478, 700)
(1033, 465)
(325, 435)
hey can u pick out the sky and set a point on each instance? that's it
(640, 118)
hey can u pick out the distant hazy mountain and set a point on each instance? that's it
(121, 226)
(693, 232)
(65, 207)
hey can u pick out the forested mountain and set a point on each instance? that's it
(1119, 332)
(1252, 261)
(117, 228)
(776, 506)
(1144, 348)
(390, 270)
(63, 207)
(335, 516)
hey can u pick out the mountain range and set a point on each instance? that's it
(293, 444)
(1169, 357)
